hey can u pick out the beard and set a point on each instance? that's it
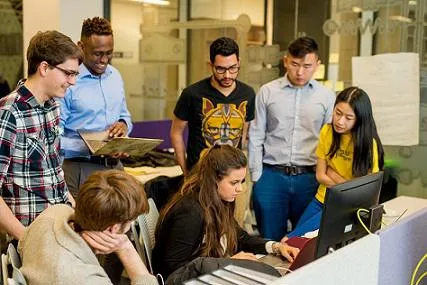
(225, 82)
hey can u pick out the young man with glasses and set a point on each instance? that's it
(31, 177)
(96, 103)
(216, 109)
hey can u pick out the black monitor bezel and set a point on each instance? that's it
(337, 216)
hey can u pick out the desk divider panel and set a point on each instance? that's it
(354, 264)
(402, 245)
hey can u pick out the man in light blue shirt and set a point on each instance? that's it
(95, 103)
(289, 113)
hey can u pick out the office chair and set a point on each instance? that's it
(143, 230)
(11, 262)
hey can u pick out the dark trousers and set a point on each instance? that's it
(76, 173)
(278, 196)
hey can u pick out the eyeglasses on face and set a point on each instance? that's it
(68, 73)
(232, 69)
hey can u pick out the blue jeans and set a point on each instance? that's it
(310, 219)
(277, 197)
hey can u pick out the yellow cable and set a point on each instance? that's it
(360, 220)
(416, 269)
(421, 277)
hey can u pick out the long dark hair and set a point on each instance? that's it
(363, 132)
(201, 183)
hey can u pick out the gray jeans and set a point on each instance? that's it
(77, 172)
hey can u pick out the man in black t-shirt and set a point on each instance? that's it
(216, 109)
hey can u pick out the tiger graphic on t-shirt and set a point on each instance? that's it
(223, 124)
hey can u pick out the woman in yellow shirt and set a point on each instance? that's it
(348, 148)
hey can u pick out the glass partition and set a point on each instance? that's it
(11, 53)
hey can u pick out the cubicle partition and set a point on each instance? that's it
(402, 245)
(354, 264)
(386, 258)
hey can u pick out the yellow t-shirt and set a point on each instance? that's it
(342, 162)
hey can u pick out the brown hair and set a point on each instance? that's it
(52, 47)
(212, 167)
(107, 198)
(96, 26)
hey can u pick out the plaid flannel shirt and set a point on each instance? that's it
(31, 176)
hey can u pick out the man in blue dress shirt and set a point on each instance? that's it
(289, 113)
(96, 103)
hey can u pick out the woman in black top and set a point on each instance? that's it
(199, 221)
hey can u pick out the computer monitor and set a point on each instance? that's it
(339, 224)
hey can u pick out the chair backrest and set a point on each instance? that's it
(139, 247)
(4, 271)
(12, 259)
(147, 224)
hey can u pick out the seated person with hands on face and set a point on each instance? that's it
(348, 148)
(199, 222)
(60, 246)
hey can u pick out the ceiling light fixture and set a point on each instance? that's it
(154, 2)
(356, 9)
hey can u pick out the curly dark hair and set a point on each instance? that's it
(97, 26)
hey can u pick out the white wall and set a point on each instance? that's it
(126, 19)
(39, 16)
(72, 14)
(229, 10)
(65, 16)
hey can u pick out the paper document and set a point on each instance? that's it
(99, 143)
(392, 82)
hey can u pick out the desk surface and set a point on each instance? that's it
(145, 173)
(402, 203)
(403, 206)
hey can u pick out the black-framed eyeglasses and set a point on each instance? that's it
(69, 73)
(232, 69)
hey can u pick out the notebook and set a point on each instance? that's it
(99, 143)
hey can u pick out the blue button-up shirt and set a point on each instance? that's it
(287, 123)
(92, 104)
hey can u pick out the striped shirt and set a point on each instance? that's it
(31, 177)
